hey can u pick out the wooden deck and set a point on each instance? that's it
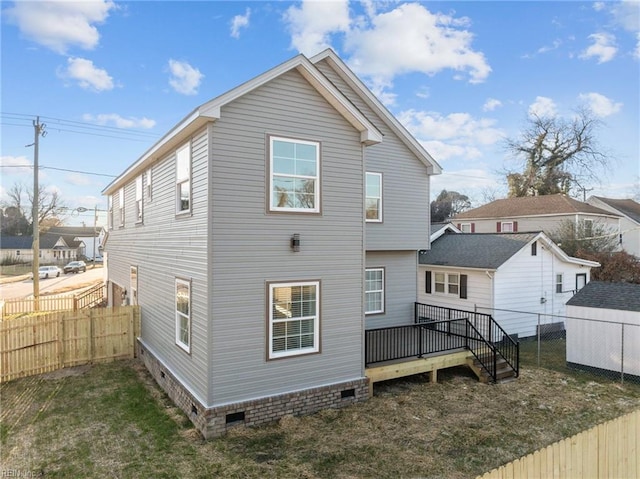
(409, 366)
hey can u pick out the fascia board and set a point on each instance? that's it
(392, 122)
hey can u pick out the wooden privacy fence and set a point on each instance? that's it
(609, 450)
(42, 343)
(87, 299)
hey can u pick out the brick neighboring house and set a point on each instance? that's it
(629, 210)
(534, 213)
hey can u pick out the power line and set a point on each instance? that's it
(59, 169)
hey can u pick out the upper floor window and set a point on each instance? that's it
(559, 282)
(294, 319)
(139, 199)
(183, 314)
(534, 248)
(183, 179)
(294, 183)
(110, 212)
(466, 228)
(588, 227)
(506, 227)
(148, 184)
(121, 206)
(374, 291)
(374, 197)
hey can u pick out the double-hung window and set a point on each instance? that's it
(374, 291)
(110, 212)
(506, 227)
(148, 185)
(183, 314)
(183, 179)
(121, 206)
(294, 176)
(559, 282)
(139, 199)
(294, 319)
(447, 283)
(373, 205)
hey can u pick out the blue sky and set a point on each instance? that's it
(109, 78)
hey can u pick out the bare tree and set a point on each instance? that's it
(50, 204)
(584, 237)
(557, 154)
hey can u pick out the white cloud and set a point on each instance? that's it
(119, 121)
(454, 135)
(471, 182)
(491, 104)
(636, 52)
(543, 107)
(59, 25)
(599, 104)
(238, 22)
(78, 179)
(16, 165)
(87, 75)
(412, 39)
(603, 47)
(312, 23)
(598, 6)
(627, 14)
(184, 79)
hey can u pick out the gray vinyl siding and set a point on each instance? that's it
(165, 247)
(405, 183)
(400, 287)
(251, 247)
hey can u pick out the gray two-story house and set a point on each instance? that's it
(262, 235)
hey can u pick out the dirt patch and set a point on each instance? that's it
(67, 372)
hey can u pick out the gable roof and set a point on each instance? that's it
(77, 231)
(212, 111)
(600, 294)
(627, 207)
(487, 250)
(532, 206)
(438, 229)
(340, 67)
(47, 241)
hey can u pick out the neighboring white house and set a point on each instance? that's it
(629, 212)
(92, 239)
(495, 272)
(603, 329)
(54, 248)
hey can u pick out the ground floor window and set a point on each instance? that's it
(183, 314)
(374, 291)
(294, 318)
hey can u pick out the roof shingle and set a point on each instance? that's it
(600, 294)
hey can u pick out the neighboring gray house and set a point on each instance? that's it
(261, 236)
(629, 212)
(603, 330)
(500, 274)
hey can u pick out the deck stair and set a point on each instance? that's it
(504, 371)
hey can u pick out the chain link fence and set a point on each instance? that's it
(568, 343)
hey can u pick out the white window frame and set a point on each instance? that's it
(110, 212)
(183, 317)
(315, 178)
(133, 284)
(139, 202)
(504, 228)
(368, 292)
(559, 282)
(378, 176)
(587, 227)
(447, 283)
(148, 184)
(121, 206)
(183, 154)
(465, 227)
(272, 287)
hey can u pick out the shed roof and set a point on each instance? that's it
(601, 294)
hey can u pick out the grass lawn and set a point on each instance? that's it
(111, 420)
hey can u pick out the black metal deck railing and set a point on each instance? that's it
(437, 329)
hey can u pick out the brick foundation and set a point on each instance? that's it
(214, 422)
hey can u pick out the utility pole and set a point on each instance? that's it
(35, 214)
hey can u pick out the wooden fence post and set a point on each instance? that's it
(61, 341)
(132, 333)
(92, 336)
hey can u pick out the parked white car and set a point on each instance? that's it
(45, 272)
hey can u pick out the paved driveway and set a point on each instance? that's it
(23, 288)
